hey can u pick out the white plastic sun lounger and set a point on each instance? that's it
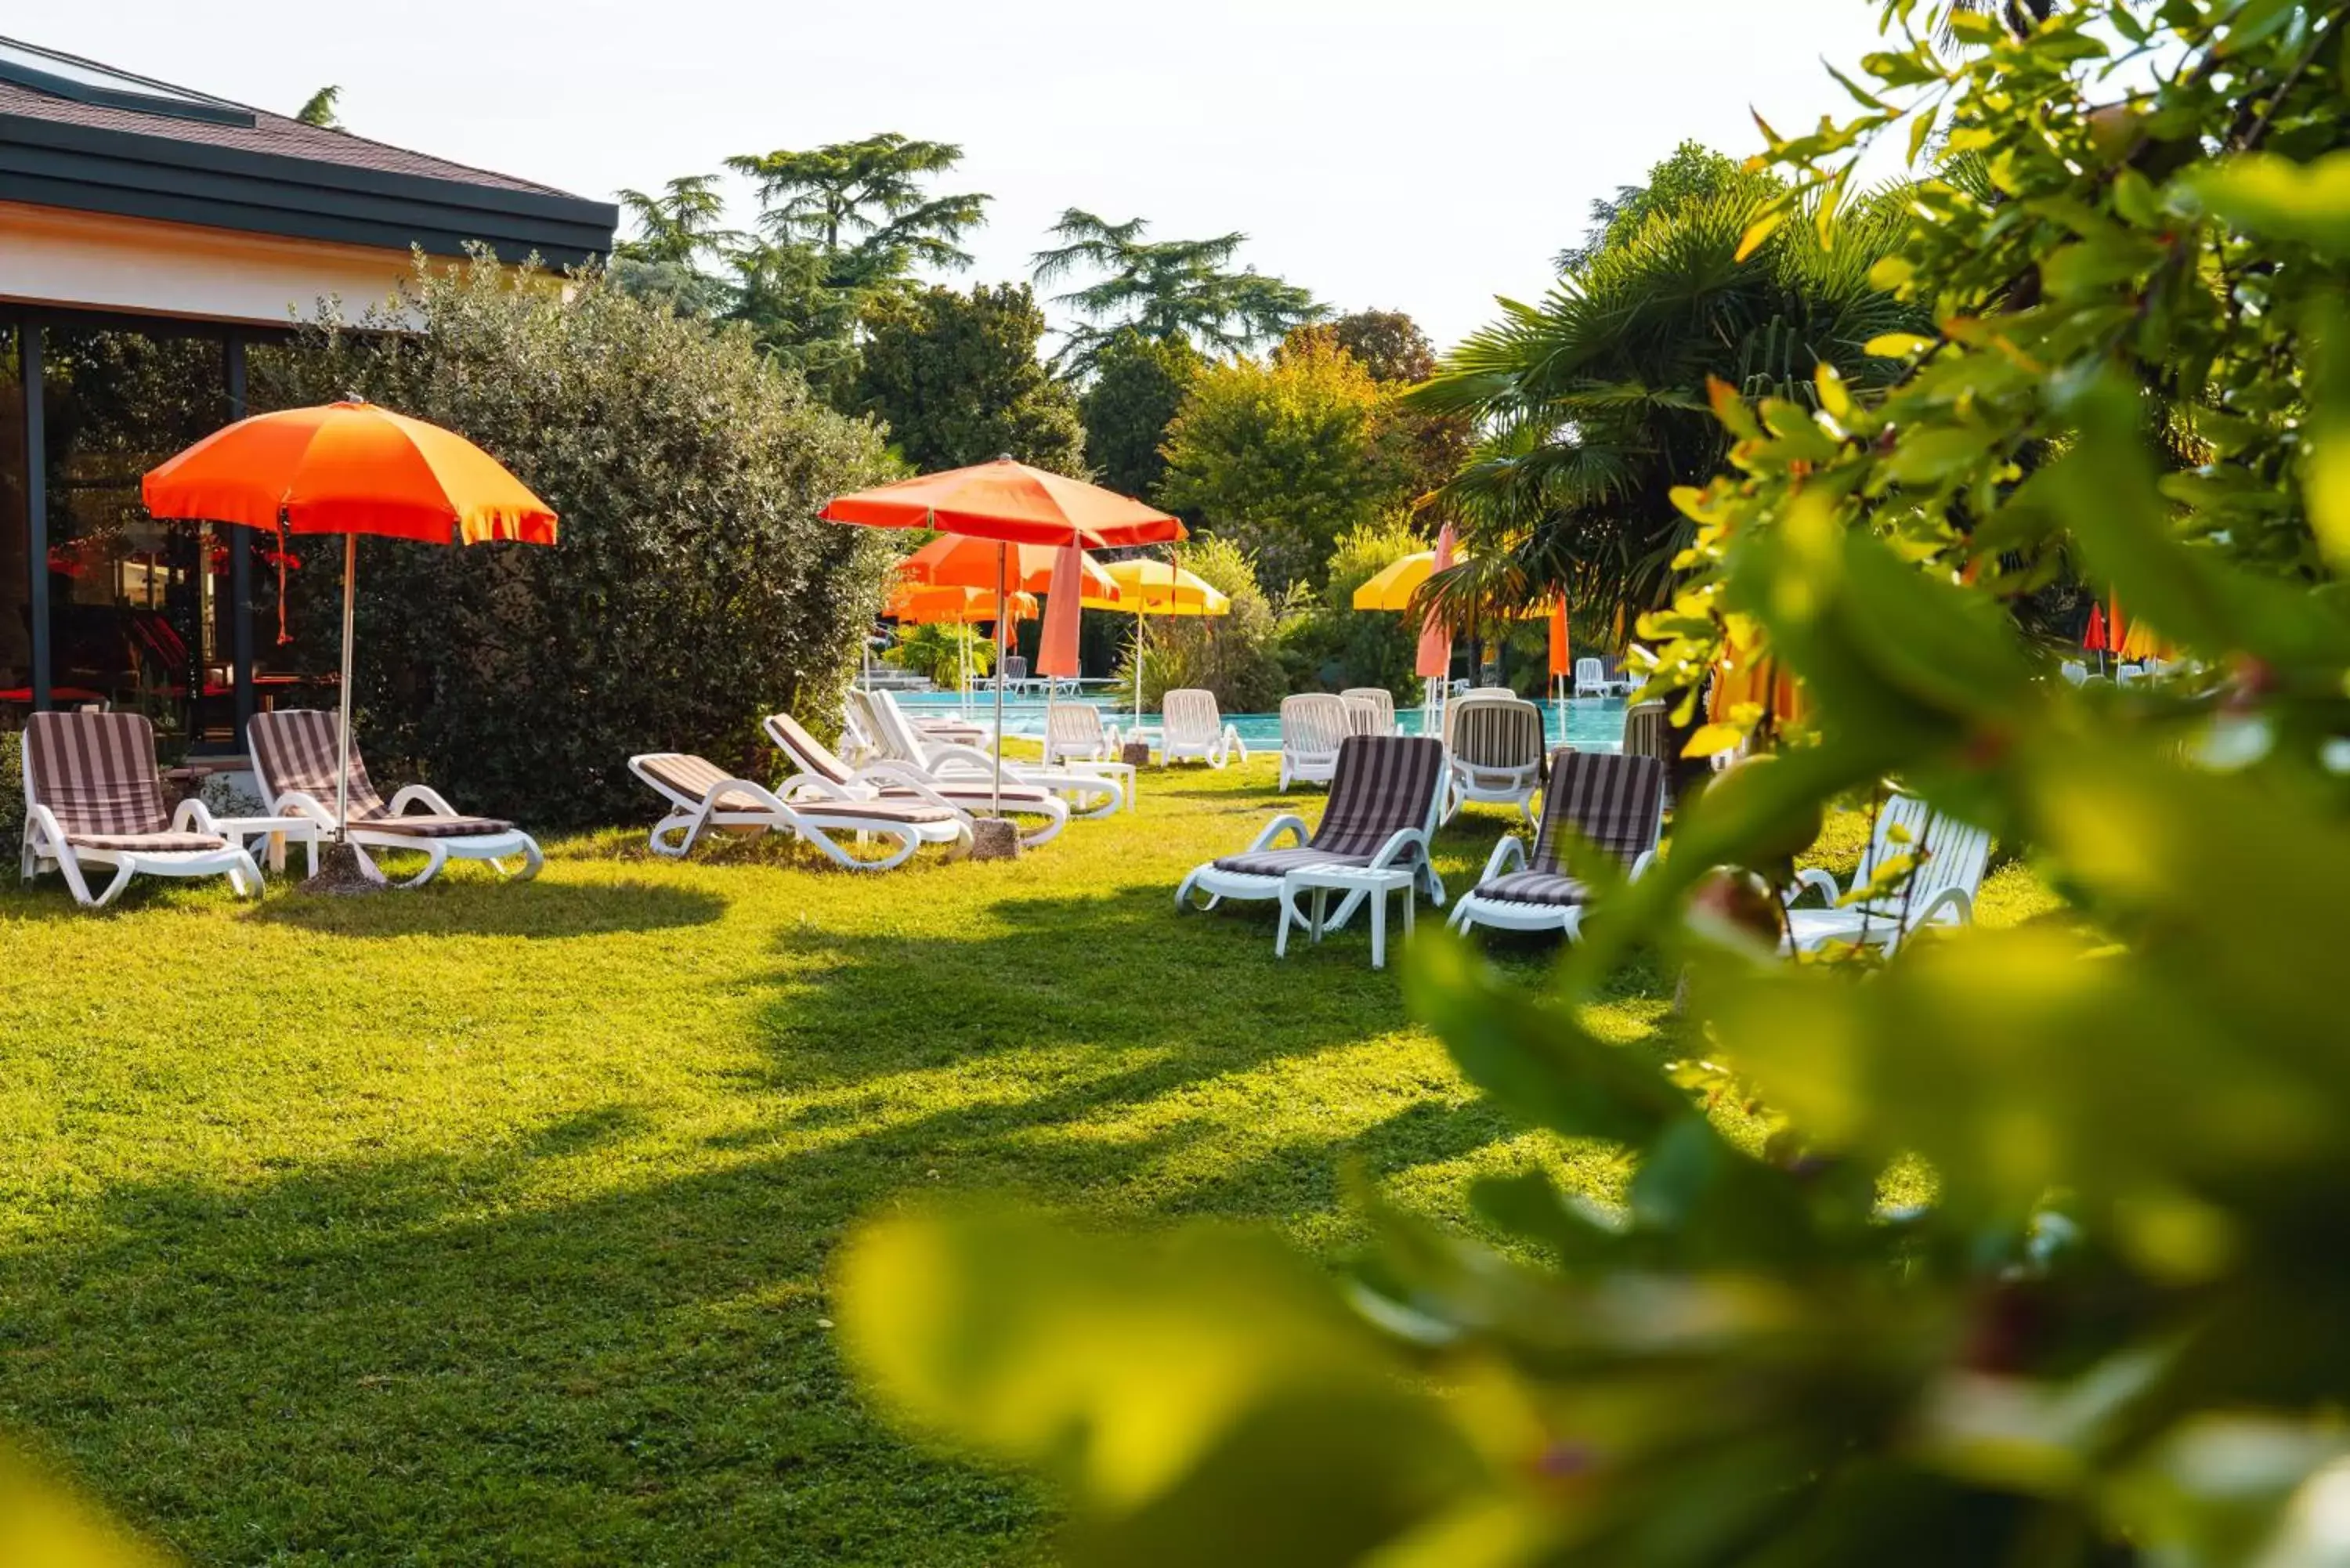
(1616, 803)
(1943, 885)
(941, 762)
(819, 771)
(1193, 730)
(93, 795)
(703, 796)
(294, 757)
(1312, 724)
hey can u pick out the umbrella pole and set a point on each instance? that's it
(995, 794)
(343, 727)
(1138, 666)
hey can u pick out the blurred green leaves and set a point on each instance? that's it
(2114, 1336)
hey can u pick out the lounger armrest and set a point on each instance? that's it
(434, 803)
(194, 817)
(1812, 880)
(938, 752)
(1287, 822)
(891, 774)
(295, 803)
(1233, 738)
(1957, 902)
(1509, 855)
(1641, 865)
(814, 786)
(1402, 848)
(918, 786)
(42, 830)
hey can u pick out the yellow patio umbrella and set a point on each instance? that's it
(1149, 586)
(2142, 642)
(1392, 588)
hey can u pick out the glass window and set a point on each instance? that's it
(15, 566)
(139, 609)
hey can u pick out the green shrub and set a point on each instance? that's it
(694, 589)
(1330, 645)
(940, 652)
(12, 789)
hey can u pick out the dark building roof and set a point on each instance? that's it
(77, 134)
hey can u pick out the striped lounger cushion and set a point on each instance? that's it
(1613, 801)
(811, 755)
(97, 775)
(1383, 785)
(295, 749)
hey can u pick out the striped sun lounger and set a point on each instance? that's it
(1615, 804)
(93, 795)
(703, 796)
(1384, 794)
(294, 756)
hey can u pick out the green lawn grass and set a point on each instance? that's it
(490, 1223)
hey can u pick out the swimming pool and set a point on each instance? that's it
(1592, 724)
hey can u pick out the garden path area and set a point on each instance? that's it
(490, 1224)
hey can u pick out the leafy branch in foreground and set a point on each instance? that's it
(2111, 1336)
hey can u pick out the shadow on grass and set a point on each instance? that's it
(601, 1336)
(481, 908)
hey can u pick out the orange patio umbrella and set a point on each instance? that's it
(1744, 676)
(952, 560)
(349, 468)
(1012, 504)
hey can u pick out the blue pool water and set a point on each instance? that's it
(1591, 724)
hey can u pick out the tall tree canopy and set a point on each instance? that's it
(1591, 406)
(843, 228)
(1388, 344)
(864, 205)
(318, 108)
(1693, 173)
(957, 378)
(1284, 457)
(1138, 384)
(683, 224)
(1165, 288)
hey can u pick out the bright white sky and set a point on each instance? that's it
(1402, 155)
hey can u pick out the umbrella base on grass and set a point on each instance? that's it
(994, 838)
(339, 873)
(1135, 753)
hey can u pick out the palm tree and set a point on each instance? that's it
(863, 203)
(1591, 406)
(679, 226)
(1166, 289)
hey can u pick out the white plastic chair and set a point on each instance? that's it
(1193, 729)
(1370, 710)
(1312, 724)
(1591, 678)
